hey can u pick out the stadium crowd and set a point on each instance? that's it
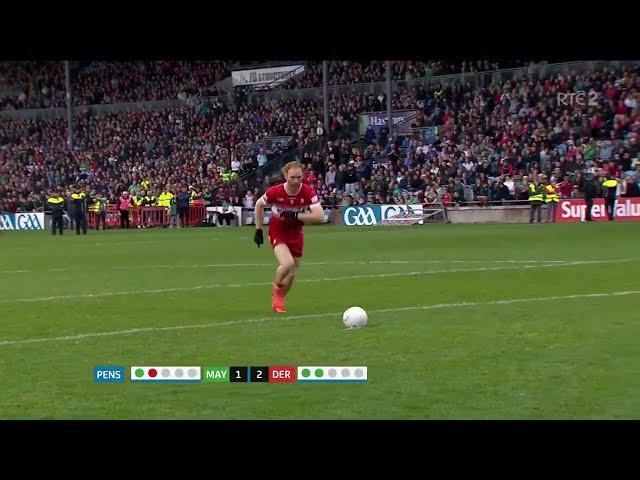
(489, 142)
(174, 147)
(42, 84)
(467, 145)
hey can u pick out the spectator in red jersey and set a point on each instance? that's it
(310, 178)
(124, 205)
(565, 188)
(447, 198)
(613, 169)
(506, 169)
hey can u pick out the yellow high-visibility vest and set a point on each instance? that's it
(164, 199)
(550, 194)
(536, 195)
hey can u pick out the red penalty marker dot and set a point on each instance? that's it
(153, 372)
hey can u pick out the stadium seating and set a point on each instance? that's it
(42, 84)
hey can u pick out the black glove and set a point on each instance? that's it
(289, 215)
(258, 237)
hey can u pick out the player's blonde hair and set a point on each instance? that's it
(290, 165)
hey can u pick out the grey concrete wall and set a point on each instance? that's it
(499, 214)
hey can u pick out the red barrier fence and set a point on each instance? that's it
(112, 219)
(153, 216)
(147, 216)
(197, 213)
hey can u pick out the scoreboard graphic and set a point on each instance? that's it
(165, 374)
(332, 374)
(232, 374)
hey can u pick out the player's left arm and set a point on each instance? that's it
(315, 214)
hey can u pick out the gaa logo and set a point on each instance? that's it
(28, 221)
(22, 221)
(359, 216)
(6, 222)
(393, 210)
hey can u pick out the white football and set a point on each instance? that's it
(354, 317)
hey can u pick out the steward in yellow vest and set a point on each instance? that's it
(138, 200)
(164, 199)
(610, 187)
(551, 198)
(55, 203)
(536, 197)
(80, 202)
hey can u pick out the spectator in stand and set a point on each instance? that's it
(227, 214)
(101, 209)
(183, 207)
(235, 165)
(262, 157)
(330, 177)
(613, 169)
(320, 132)
(457, 190)
(629, 188)
(351, 179)
(249, 200)
(172, 212)
(447, 199)
(565, 188)
(369, 135)
(124, 205)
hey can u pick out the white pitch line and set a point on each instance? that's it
(132, 242)
(206, 265)
(364, 262)
(308, 280)
(273, 265)
(316, 315)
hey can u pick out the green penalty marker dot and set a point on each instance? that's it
(305, 372)
(319, 372)
(139, 373)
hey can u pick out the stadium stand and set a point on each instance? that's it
(42, 84)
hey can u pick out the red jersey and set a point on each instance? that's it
(615, 171)
(280, 200)
(565, 189)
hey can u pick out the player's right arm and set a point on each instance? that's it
(259, 217)
(259, 212)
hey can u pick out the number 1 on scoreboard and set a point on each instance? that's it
(239, 374)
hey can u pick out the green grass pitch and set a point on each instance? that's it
(465, 322)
